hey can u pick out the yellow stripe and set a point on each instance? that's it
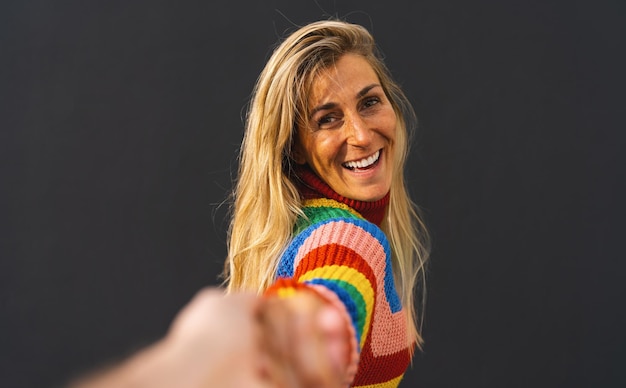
(388, 384)
(286, 292)
(325, 202)
(352, 276)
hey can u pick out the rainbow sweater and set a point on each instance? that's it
(339, 252)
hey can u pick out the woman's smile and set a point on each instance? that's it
(365, 163)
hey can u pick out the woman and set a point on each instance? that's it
(320, 205)
(322, 225)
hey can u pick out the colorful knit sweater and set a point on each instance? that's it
(339, 252)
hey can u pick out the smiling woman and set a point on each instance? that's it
(320, 204)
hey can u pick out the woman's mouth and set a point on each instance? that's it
(363, 164)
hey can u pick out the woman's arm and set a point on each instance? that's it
(346, 260)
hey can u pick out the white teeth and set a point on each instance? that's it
(363, 163)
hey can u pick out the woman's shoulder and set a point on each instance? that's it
(324, 210)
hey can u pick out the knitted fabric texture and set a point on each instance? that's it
(346, 259)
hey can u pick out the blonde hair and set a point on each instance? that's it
(267, 203)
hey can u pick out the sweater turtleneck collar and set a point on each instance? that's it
(312, 187)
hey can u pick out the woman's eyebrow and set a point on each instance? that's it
(365, 90)
(332, 105)
(329, 105)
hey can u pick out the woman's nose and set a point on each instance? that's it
(359, 133)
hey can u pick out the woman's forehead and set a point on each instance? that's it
(345, 79)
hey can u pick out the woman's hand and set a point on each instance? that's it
(305, 341)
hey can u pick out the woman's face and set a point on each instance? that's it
(349, 136)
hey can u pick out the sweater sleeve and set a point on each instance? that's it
(347, 260)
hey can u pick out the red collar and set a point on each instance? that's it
(312, 187)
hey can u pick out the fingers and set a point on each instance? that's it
(305, 340)
(275, 342)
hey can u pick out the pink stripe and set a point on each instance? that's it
(389, 333)
(350, 236)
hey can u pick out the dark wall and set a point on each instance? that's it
(119, 127)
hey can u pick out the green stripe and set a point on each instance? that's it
(359, 302)
(316, 214)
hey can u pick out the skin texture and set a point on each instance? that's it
(352, 119)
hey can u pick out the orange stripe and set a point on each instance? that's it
(328, 255)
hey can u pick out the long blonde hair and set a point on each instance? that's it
(266, 202)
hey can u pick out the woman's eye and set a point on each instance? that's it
(326, 120)
(371, 101)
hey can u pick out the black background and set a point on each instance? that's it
(119, 128)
